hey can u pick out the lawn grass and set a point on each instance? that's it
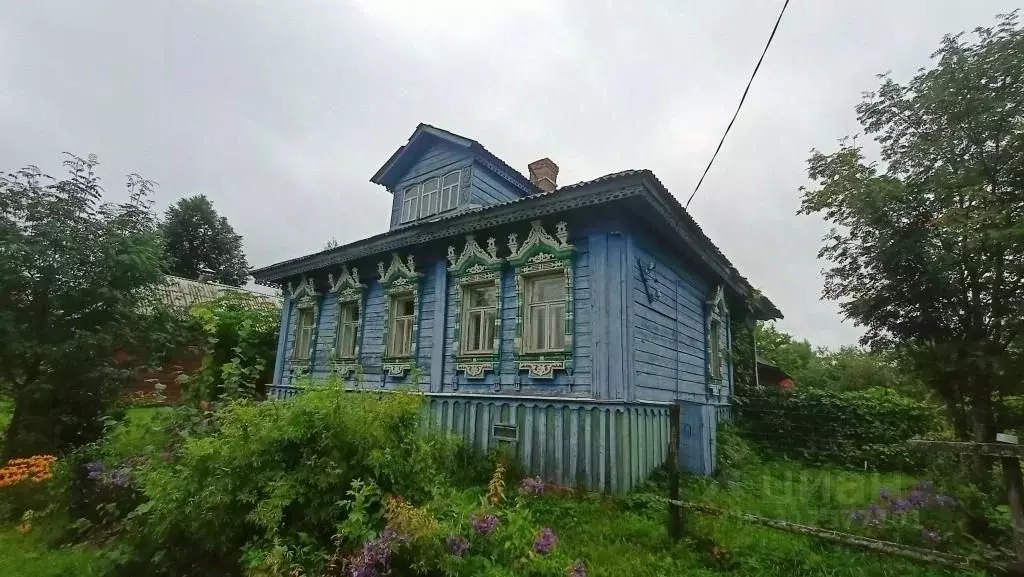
(26, 556)
(629, 537)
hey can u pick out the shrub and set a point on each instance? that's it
(279, 480)
(846, 428)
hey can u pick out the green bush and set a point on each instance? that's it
(273, 475)
(852, 428)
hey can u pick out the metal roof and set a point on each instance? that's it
(185, 293)
(604, 189)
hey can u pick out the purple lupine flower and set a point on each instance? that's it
(916, 498)
(929, 536)
(532, 486)
(485, 524)
(874, 511)
(857, 516)
(884, 494)
(900, 507)
(924, 486)
(376, 554)
(546, 541)
(578, 569)
(95, 470)
(458, 545)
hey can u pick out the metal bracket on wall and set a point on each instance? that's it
(650, 281)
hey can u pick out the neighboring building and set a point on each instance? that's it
(183, 294)
(564, 320)
(770, 375)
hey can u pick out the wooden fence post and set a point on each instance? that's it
(675, 509)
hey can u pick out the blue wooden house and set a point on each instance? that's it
(562, 320)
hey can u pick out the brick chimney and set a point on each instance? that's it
(544, 174)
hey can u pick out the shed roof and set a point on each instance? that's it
(185, 293)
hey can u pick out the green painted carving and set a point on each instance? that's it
(717, 314)
(472, 268)
(541, 254)
(400, 278)
(347, 289)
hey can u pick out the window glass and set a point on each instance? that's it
(410, 203)
(479, 314)
(428, 198)
(303, 334)
(450, 190)
(400, 337)
(348, 323)
(545, 313)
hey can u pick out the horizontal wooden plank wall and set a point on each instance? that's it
(598, 446)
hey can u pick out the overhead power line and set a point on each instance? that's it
(740, 105)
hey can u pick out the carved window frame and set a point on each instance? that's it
(541, 254)
(347, 290)
(717, 316)
(399, 279)
(472, 268)
(303, 297)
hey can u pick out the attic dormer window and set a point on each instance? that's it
(432, 196)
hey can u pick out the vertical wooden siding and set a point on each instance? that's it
(669, 327)
(602, 447)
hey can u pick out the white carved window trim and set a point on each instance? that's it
(306, 302)
(475, 267)
(430, 190)
(400, 279)
(410, 203)
(450, 191)
(717, 337)
(541, 254)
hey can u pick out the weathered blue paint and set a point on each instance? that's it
(597, 445)
(282, 340)
(642, 282)
(487, 187)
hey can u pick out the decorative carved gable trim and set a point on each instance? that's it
(717, 312)
(305, 294)
(347, 286)
(473, 256)
(539, 242)
(399, 276)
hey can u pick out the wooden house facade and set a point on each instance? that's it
(562, 320)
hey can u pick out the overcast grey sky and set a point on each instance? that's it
(281, 111)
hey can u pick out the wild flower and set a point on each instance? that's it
(945, 501)
(884, 494)
(458, 545)
(496, 487)
(924, 486)
(545, 542)
(929, 536)
(94, 470)
(120, 478)
(375, 557)
(485, 524)
(36, 469)
(409, 522)
(578, 569)
(532, 486)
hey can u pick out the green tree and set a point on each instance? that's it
(927, 250)
(74, 274)
(197, 239)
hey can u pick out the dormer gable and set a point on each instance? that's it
(438, 173)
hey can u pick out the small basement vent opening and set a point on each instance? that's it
(505, 432)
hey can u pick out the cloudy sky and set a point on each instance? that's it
(281, 111)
